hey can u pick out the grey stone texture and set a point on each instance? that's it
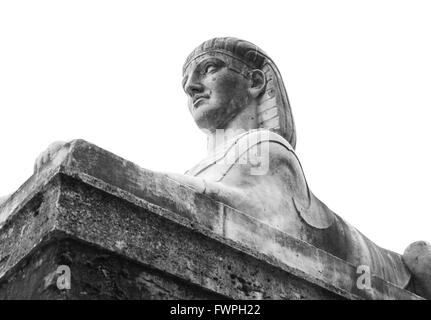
(129, 233)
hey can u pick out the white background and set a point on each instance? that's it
(358, 75)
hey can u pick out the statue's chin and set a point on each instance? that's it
(206, 128)
(206, 123)
(210, 117)
(210, 126)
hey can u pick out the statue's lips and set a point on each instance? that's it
(198, 100)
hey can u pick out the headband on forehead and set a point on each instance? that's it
(244, 51)
(233, 62)
(238, 61)
(274, 111)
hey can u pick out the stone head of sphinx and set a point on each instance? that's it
(233, 84)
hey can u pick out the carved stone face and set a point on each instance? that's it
(216, 92)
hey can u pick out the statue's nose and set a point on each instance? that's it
(193, 87)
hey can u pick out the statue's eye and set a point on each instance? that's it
(210, 68)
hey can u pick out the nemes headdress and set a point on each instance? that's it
(274, 109)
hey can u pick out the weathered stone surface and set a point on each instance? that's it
(96, 274)
(417, 257)
(127, 232)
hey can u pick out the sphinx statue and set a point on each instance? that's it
(237, 97)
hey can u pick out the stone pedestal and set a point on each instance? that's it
(129, 233)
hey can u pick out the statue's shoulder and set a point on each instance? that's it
(267, 144)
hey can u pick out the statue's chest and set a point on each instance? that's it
(224, 159)
(211, 169)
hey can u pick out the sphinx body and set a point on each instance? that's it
(258, 173)
(233, 84)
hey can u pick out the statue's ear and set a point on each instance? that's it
(258, 83)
